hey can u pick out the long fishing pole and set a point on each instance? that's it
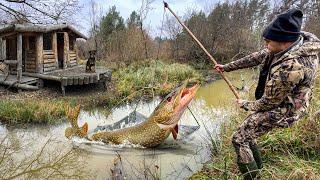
(193, 116)
(204, 49)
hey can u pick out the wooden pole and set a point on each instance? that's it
(3, 49)
(76, 50)
(55, 48)
(204, 49)
(20, 86)
(39, 50)
(19, 57)
(66, 59)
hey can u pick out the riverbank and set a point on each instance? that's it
(292, 153)
(138, 81)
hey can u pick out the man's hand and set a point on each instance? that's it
(219, 67)
(241, 104)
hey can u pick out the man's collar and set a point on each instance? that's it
(279, 54)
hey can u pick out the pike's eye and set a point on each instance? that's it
(169, 99)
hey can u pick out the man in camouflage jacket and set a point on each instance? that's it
(289, 66)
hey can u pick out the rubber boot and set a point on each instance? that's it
(257, 155)
(248, 170)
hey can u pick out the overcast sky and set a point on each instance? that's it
(154, 18)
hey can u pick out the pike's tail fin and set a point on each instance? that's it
(75, 130)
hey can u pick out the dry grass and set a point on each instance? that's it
(31, 111)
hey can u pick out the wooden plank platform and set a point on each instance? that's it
(24, 79)
(27, 83)
(75, 76)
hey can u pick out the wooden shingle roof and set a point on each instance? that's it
(39, 29)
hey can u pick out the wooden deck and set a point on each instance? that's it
(29, 83)
(75, 76)
(66, 77)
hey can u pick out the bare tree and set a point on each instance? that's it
(40, 11)
(144, 10)
(173, 29)
(95, 15)
(312, 22)
(94, 18)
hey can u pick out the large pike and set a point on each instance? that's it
(150, 133)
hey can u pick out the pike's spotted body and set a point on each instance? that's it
(146, 134)
(152, 132)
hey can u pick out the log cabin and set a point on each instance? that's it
(34, 53)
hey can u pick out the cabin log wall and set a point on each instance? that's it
(73, 58)
(72, 51)
(49, 61)
(30, 61)
(29, 55)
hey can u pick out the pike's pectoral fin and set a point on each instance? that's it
(175, 132)
(172, 128)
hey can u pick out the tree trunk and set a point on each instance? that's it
(145, 41)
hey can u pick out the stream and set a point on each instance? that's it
(174, 159)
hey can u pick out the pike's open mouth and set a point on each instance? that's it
(189, 92)
(186, 94)
(180, 101)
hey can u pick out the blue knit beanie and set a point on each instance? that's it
(285, 27)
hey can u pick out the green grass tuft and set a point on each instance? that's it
(152, 77)
(31, 111)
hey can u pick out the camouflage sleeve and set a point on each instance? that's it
(282, 81)
(250, 60)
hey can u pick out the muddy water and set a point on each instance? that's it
(172, 160)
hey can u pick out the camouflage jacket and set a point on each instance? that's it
(291, 75)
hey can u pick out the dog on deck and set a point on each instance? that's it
(91, 63)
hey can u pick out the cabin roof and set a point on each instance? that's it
(39, 29)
